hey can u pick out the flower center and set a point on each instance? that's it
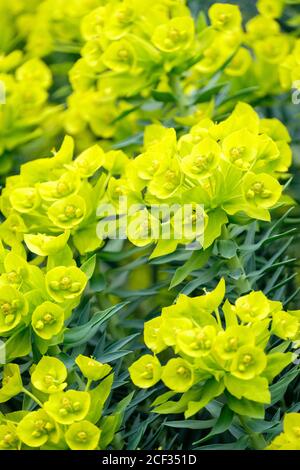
(232, 344)
(246, 362)
(81, 436)
(9, 440)
(69, 407)
(182, 371)
(124, 15)
(49, 379)
(13, 277)
(123, 55)
(8, 311)
(258, 190)
(65, 283)
(72, 212)
(62, 188)
(223, 19)
(148, 374)
(296, 431)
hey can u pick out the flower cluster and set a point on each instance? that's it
(274, 8)
(132, 55)
(24, 110)
(268, 58)
(289, 439)
(54, 25)
(141, 48)
(215, 355)
(16, 16)
(35, 301)
(53, 198)
(290, 69)
(64, 418)
(231, 168)
(209, 171)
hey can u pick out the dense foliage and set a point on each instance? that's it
(126, 322)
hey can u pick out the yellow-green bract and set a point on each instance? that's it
(217, 350)
(62, 419)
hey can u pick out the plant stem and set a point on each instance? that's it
(178, 93)
(88, 384)
(257, 440)
(218, 317)
(242, 284)
(32, 397)
(37, 260)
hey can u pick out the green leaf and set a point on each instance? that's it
(126, 113)
(245, 407)
(163, 398)
(88, 267)
(206, 94)
(197, 260)
(163, 97)
(108, 426)
(136, 139)
(111, 424)
(210, 390)
(99, 395)
(18, 345)
(278, 389)
(276, 363)
(245, 92)
(230, 315)
(227, 248)
(191, 424)
(256, 389)
(82, 334)
(63, 257)
(164, 247)
(241, 444)
(216, 219)
(222, 424)
(170, 407)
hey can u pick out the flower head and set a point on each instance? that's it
(36, 428)
(83, 436)
(249, 362)
(48, 320)
(178, 375)
(68, 407)
(65, 283)
(92, 369)
(146, 371)
(49, 375)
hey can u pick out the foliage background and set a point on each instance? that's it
(266, 258)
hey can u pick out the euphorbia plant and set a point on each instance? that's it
(61, 419)
(208, 352)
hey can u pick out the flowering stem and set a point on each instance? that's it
(37, 260)
(257, 440)
(217, 313)
(178, 93)
(24, 390)
(88, 384)
(243, 285)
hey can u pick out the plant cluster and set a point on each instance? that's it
(289, 438)
(24, 107)
(149, 156)
(62, 418)
(230, 354)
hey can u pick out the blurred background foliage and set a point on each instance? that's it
(262, 256)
